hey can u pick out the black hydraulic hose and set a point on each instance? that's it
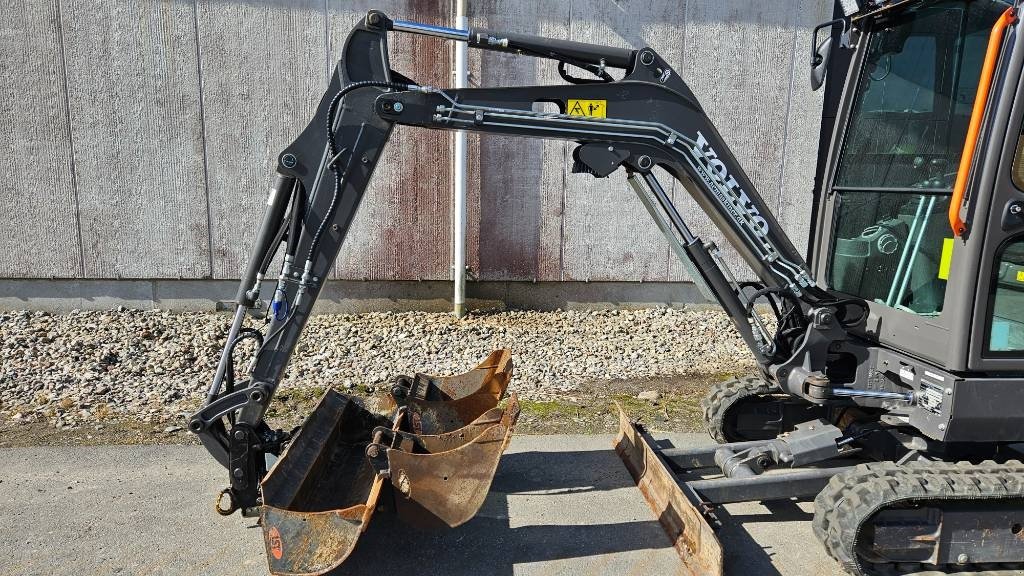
(243, 334)
(298, 212)
(229, 374)
(339, 180)
(332, 164)
(268, 256)
(334, 155)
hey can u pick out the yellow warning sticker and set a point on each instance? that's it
(1020, 275)
(592, 108)
(947, 258)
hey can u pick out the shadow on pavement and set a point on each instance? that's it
(489, 544)
(492, 543)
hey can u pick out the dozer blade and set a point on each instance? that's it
(689, 531)
(321, 494)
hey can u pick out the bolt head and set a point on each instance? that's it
(239, 435)
(398, 107)
(963, 559)
(237, 473)
(942, 427)
(289, 160)
(1016, 208)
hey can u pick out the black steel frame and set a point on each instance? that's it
(653, 120)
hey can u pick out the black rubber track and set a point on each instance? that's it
(852, 498)
(725, 395)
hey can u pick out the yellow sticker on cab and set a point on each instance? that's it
(1020, 275)
(591, 108)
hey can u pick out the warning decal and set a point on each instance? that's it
(592, 108)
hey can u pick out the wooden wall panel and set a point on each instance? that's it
(739, 61)
(802, 130)
(152, 158)
(40, 237)
(133, 85)
(516, 184)
(263, 70)
(608, 233)
(402, 230)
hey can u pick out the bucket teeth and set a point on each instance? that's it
(434, 457)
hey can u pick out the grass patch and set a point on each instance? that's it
(546, 408)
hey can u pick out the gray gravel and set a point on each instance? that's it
(155, 365)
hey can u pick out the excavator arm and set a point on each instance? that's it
(646, 119)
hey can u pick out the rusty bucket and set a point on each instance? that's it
(433, 455)
(437, 404)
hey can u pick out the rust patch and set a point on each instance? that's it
(321, 494)
(315, 541)
(454, 402)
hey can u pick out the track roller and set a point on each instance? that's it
(748, 408)
(883, 518)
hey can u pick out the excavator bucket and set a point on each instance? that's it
(442, 479)
(437, 404)
(687, 528)
(347, 462)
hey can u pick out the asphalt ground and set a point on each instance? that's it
(558, 505)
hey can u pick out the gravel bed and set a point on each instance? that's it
(82, 367)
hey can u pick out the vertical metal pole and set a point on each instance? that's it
(459, 176)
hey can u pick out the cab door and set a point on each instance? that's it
(995, 217)
(884, 234)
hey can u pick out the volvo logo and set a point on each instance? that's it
(703, 151)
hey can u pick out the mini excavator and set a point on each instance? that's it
(890, 380)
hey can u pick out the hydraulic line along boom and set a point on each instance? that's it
(646, 119)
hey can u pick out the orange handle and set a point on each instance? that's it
(988, 70)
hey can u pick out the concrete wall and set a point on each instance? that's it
(140, 134)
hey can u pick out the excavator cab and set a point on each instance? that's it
(884, 233)
(890, 363)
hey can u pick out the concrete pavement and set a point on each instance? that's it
(558, 505)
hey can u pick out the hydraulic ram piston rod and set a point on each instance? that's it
(430, 30)
(524, 44)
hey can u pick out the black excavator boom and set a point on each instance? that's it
(828, 392)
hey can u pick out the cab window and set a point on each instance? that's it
(1006, 306)
(901, 152)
